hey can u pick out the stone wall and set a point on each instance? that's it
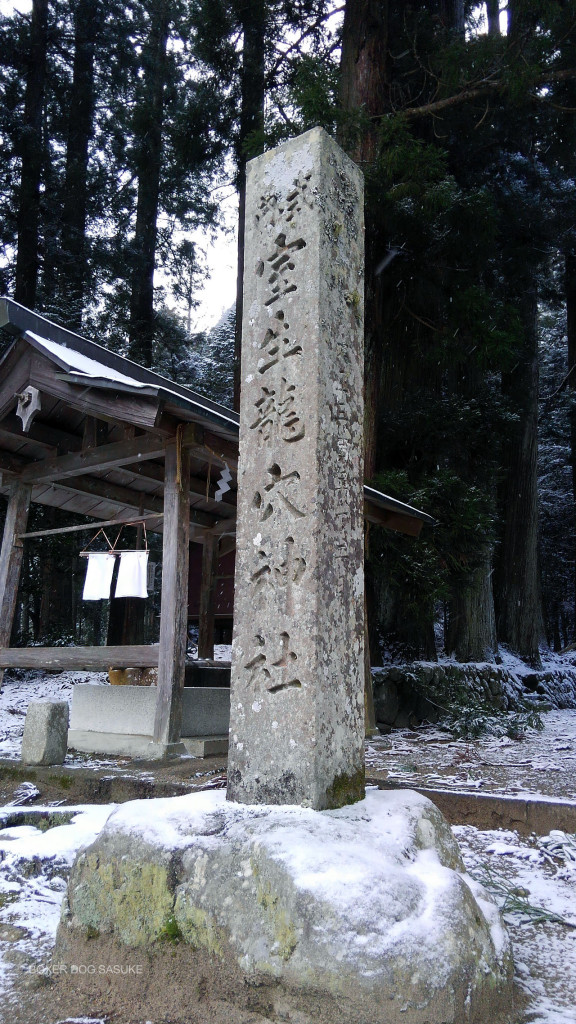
(406, 695)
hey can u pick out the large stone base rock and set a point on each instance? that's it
(362, 914)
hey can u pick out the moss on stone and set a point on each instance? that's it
(285, 939)
(171, 931)
(131, 898)
(346, 789)
(42, 820)
(197, 928)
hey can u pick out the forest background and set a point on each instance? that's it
(119, 121)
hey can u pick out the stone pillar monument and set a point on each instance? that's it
(297, 704)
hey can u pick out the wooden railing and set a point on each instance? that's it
(94, 659)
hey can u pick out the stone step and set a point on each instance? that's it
(524, 814)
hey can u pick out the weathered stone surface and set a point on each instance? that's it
(297, 714)
(423, 689)
(45, 738)
(367, 906)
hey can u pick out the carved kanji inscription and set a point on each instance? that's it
(273, 665)
(276, 415)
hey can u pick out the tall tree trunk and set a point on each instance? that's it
(493, 17)
(452, 15)
(364, 98)
(72, 258)
(570, 290)
(141, 329)
(471, 626)
(28, 220)
(253, 21)
(518, 599)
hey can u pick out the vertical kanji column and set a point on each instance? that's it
(297, 703)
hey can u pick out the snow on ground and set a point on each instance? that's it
(541, 762)
(35, 861)
(529, 884)
(523, 873)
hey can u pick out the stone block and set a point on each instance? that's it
(386, 703)
(120, 720)
(113, 709)
(205, 746)
(297, 709)
(363, 914)
(205, 711)
(45, 739)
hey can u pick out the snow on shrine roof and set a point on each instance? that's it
(82, 366)
(393, 505)
(25, 322)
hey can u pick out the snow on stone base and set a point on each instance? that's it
(368, 904)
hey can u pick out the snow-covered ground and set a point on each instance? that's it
(34, 866)
(533, 878)
(538, 888)
(540, 762)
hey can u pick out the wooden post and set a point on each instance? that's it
(11, 558)
(210, 555)
(174, 603)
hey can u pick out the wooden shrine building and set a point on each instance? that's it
(88, 431)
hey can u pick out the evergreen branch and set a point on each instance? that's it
(282, 112)
(480, 91)
(294, 46)
(563, 384)
(514, 899)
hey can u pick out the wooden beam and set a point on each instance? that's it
(210, 445)
(397, 521)
(105, 456)
(11, 555)
(89, 659)
(227, 544)
(97, 525)
(15, 377)
(210, 555)
(15, 465)
(46, 434)
(95, 432)
(226, 451)
(12, 464)
(138, 500)
(141, 410)
(174, 602)
(225, 527)
(42, 448)
(154, 471)
(108, 491)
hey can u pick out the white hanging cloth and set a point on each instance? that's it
(98, 576)
(132, 574)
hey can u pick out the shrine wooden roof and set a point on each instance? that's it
(96, 444)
